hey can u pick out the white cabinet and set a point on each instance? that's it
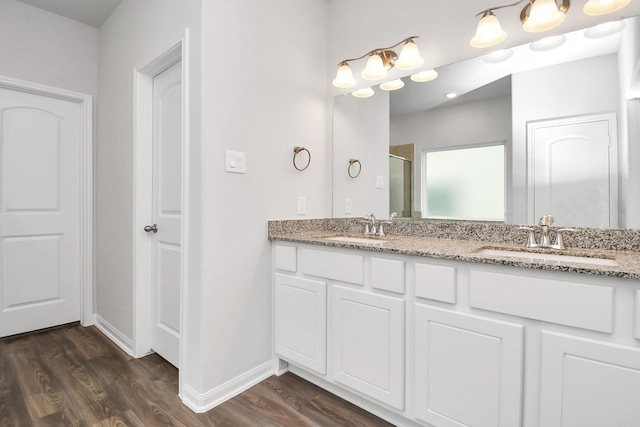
(301, 321)
(468, 369)
(588, 383)
(368, 344)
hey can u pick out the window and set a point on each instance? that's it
(464, 183)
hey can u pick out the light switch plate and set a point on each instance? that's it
(302, 205)
(235, 162)
(380, 181)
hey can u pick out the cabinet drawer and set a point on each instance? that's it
(285, 258)
(436, 282)
(565, 303)
(387, 274)
(333, 265)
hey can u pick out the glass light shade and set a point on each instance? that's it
(544, 15)
(363, 93)
(392, 85)
(489, 32)
(344, 77)
(602, 7)
(374, 69)
(424, 76)
(410, 58)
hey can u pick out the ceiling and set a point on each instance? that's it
(90, 12)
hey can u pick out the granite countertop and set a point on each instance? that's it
(467, 250)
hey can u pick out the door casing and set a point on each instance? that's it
(87, 280)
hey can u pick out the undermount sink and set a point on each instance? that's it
(547, 257)
(357, 240)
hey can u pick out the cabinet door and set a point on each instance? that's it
(468, 369)
(587, 383)
(368, 344)
(301, 321)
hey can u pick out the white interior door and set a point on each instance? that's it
(572, 165)
(40, 261)
(167, 212)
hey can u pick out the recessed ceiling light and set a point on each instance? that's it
(451, 95)
(547, 43)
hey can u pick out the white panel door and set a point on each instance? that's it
(588, 383)
(167, 212)
(301, 321)
(39, 211)
(368, 344)
(468, 369)
(571, 173)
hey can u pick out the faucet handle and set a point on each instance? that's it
(393, 215)
(559, 241)
(546, 220)
(531, 240)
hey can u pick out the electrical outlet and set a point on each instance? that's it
(347, 206)
(302, 205)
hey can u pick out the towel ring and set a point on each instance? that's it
(297, 151)
(350, 171)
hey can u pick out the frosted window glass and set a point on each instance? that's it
(466, 183)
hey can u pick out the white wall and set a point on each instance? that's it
(264, 92)
(361, 131)
(42, 47)
(452, 126)
(539, 95)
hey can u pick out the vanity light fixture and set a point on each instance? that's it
(536, 16)
(379, 62)
(424, 76)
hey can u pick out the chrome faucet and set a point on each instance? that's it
(370, 227)
(545, 242)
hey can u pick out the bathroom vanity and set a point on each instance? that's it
(441, 332)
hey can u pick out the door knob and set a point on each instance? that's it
(150, 228)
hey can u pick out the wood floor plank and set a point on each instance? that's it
(75, 376)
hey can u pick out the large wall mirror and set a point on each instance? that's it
(563, 113)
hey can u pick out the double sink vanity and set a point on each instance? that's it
(460, 324)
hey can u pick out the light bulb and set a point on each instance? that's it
(410, 58)
(424, 76)
(543, 15)
(392, 85)
(374, 69)
(489, 32)
(602, 7)
(344, 77)
(363, 93)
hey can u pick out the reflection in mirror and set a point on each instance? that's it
(533, 100)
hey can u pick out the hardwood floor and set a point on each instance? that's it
(75, 376)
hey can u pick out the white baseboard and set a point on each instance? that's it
(124, 342)
(202, 402)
